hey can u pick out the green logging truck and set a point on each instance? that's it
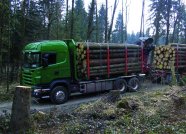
(55, 69)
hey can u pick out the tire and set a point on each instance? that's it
(59, 95)
(134, 84)
(120, 85)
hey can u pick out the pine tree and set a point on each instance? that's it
(117, 34)
(101, 23)
(80, 24)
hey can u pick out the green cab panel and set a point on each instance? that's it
(58, 56)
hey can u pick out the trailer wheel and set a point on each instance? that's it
(134, 84)
(120, 85)
(59, 95)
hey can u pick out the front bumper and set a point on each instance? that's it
(39, 92)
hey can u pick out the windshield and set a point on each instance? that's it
(32, 60)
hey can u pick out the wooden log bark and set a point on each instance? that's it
(113, 61)
(98, 58)
(20, 117)
(104, 45)
(102, 51)
(164, 55)
(112, 55)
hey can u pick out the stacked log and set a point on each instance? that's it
(107, 59)
(165, 56)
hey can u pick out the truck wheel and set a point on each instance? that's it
(59, 95)
(120, 85)
(134, 84)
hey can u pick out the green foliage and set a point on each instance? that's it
(129, 104)
(77, 128)
(98, 110)
(81, 20)
(4, 122)
(118, 33)
(183, 81)
(101, 23)
(7, 96)
(159, 115)
(165, 13)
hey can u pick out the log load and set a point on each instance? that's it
(107, 59)
(165, 56)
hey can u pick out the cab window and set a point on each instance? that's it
(51, 58)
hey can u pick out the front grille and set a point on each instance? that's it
(27, 78)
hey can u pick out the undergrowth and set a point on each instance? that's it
(156, 112)
(148, 113)
(7, 95)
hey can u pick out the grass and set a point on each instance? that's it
(153, 112)
(150, 113)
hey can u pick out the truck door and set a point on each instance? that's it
(58, 66)
(50, 70)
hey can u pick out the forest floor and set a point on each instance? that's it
(74, 101)
(154, 109)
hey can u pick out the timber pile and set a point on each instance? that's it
(165, 56)
(107, 59)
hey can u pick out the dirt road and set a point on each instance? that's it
(74, 100)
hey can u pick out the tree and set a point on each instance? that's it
(119, 30)
(106, 22)
(97, 30)
(168, 19)
(80, 25)
(133, 38)
(112, 20)
(57, 27)
(5, 13)
(49, 14)
(66, 20)
(72, 21)
(101, 24)
(156, 17)
(90, 19)
(178, 19)
(168, 4)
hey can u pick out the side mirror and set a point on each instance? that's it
(44, 62)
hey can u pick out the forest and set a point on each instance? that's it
(25, 21)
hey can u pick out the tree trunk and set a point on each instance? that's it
(90, 20)
(1, 59)
(20, 117)
(168, 21)
(72, 21)
(157, 28)
(112, 20)
(122, 25)
(66, 20)
(126, 21)
(175, 24)
(185, 37)
(174, 29)
(142, 20)
(106, 23)
(97, 29)
(49, 20)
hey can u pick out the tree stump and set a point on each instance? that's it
(20, 117)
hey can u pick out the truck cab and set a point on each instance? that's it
(46, 64)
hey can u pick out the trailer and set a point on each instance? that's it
(168, 60)
(53, 68)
